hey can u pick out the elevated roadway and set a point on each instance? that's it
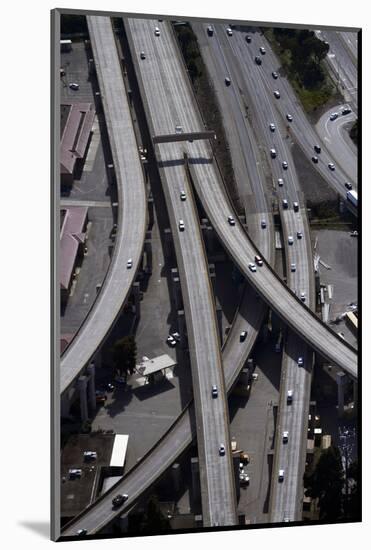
(157, 77)
(132, 209)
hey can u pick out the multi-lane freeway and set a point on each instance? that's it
(132, 211)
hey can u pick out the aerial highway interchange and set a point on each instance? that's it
(259, 134)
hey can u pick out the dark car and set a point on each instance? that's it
(275, 75)
(317, 148)
(248, 38)
(258, 60)
(119, 499)
(346, 111)
(315, 160)
(348, 185)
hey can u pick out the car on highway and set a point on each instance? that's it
(262, 50)
(129, 263)
(142, 55)
(74, 473)
(181, 225)
(244, 479)
(243, 335)
(331, 166)
(348, 185)
(289, 117)
(296, 206)
(229, 31)
(285, 204)
(302, 296)
(178, 129)
(210, 30)
(293, 267)
(273, 153)
(315, 159)
(299, 234)
(176, 337)
(300, 361)
(334, 116)
(285, 437)
(183, 196)
(81, 532)
(248, 38)
(252, 266)
(231, 220)
(275, 75)
(157, 31)
(284, 165)
(214, 391)
(258, 60)
(317, 149)
(280, 182)
(346, 111)
(281, 475)
(221, 450)
(100, 396)
(290, 395)
(276, 94)
(272, 127)
(354, 233)
(170, 340)
(258, 260)
(290, 239)
(119, 499)
(74, 86)
(263, 224)
(227, 81)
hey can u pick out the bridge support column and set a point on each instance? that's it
(65, 405)
(111, 174)
(151, 217)
(176, 476)
(182, 327)
(148, 253)
(219, 321)
(136, 294)
(196, 489)
(236, 471)
(82, 387)
(341, 380)
(168, 242)
(355, 393)
(91, 386)
(212, 276)
(176, 290)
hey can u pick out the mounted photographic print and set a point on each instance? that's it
(206, 228)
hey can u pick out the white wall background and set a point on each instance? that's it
(24, 228)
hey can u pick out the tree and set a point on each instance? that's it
(354, 499)
(124, 355)
(312, 75)
(326, 483)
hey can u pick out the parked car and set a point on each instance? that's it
(170, 340)
(90, 455)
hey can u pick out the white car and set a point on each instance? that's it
(273, 153)
(183, 196)
(302, 296)
(243, 335)
(293, 267)
(74, 473)
(276, 94)
(214, 391)
(284, 165)
(142, 55)
(289, 117)
(262, 50)
(289, 396)
(129, 263)
(229, 31)
(280, 182)
(285, 437)
(258, 260)
(231, 220)
(290, 239)
(263, 224)
(90, 455)
(281, 475)
(74, 86)
(171, 341)
(157, 31)
(181, 225)
(175, 335)
(275, 75)
(221, 450)
(300, 361)
(331, 166)
(334, 116)
(272, 127)
(178, 129)
(252, 266)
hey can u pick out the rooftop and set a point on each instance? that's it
(76, 125)
(150, 366)
(71, 235)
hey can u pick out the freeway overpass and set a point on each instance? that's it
(132, 217)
